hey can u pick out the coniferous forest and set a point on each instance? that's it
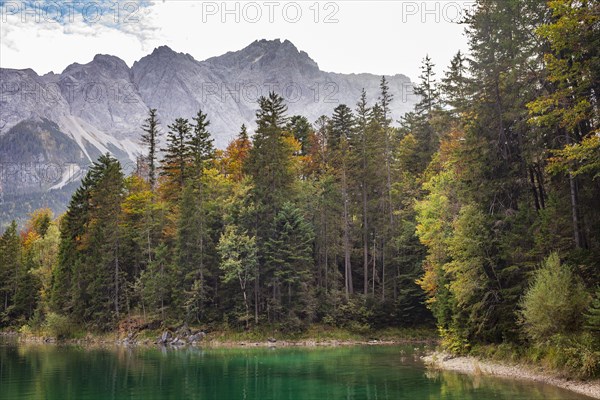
(478, 212)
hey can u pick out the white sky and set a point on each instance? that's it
(380, 37)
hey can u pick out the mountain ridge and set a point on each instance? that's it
(100, 106)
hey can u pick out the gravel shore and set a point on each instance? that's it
(472, 365)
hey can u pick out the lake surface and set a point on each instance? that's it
(366, 372)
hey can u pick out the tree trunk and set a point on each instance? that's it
(374, 265)
(117, 282)
(347, 265)
(365, 241)
(574, 211)
(256, 300)
(383, 270)
(243, 287)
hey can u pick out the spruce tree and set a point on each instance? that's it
(191, 249)
(10, 271)
(103, 244)
(363, 161)
(200, 144)
(299, 126)
(157, 285)
(177, 158)
(271, 167)
(88, 283)
(454, 86)
(340, 131)
(288, 257)
(384, 100)
(271, 113)
(149, 141)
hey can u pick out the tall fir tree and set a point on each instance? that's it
(340, 131)
(177, 158)
(149, 141)
(288, 256)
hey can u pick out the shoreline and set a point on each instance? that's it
(475, 366)
(215, 343)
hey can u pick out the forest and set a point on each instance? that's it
(478, 213)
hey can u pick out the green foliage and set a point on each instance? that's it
(177, 156)
(288, 256)
(453, 341)
(157, 284)
(580, 158)
(59, 326)
(88, 281)
(555, 302)
(239, 261)
(593, 313)
(10, 266)
(577, 354)
(201, 144)
(354, 314)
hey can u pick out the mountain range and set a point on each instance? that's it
(53, 126)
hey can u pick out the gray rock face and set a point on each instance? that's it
(104, 102)
(99, 107)
(103, 94)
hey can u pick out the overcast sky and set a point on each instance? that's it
(380, 37)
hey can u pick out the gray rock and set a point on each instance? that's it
(196, 337)
(177, 342)
(165, 337)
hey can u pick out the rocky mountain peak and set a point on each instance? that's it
(106, 61)
(102, 64)
(266, 54)
(161, 57)
(163, 51)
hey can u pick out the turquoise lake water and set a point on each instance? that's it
(48, 372)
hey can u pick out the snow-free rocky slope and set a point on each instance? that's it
(53, 126)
